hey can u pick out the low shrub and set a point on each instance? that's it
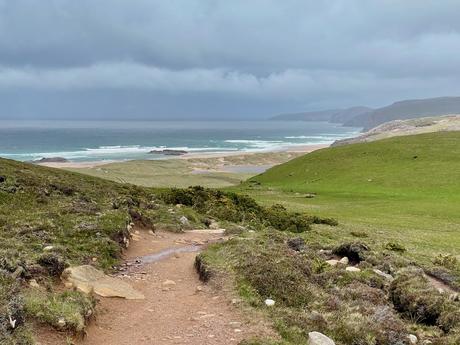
(412, 296)
(395, 247)
(446, 260)
(239, 208)
(68, 310)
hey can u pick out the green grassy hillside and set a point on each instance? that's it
(404, 189)
(385, 181)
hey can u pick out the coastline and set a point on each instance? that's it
(301, 149)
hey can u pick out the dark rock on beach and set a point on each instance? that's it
(169, 152)
(51, 160)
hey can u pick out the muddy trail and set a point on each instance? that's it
(177, 309)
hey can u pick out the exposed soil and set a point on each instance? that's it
(187, 312)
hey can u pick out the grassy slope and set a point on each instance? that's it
(384, 197)
(378, 187)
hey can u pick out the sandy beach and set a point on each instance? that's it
(243, 155)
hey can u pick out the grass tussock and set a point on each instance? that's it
(66, 311)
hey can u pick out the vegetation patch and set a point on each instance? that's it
(352, 307)
(239, 208)
(67, 311)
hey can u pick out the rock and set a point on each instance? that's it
(151, 232)
(269, 302)
(352, 269)
(383, 274)
(61, 322)
(184, 220)
(316, 338)
(310, 195)
(168, 283)
(332, 262)
(18, 272)
(2, 179)
(88, 279)
(344, 260)
(51, 160)
(413, 339)
(169, 152)
(33, 284)
(48, 248)
(296, 244)
(199, 288)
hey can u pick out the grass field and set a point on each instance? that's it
(405, 188)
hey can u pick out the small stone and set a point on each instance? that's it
(199, 288)
(184, 220)
(236, 300)
(151, 232)
(61, 322)
(94, 259)
(68, 285)
(352, 269)
(317, 338)
(269, 302)
(48, 248)
(413, 339)
(383, 274)
(237, 330)
(33, 283)
(332, 262)
(169, 283)
(344, 260)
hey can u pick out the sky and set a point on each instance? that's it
(220, 59)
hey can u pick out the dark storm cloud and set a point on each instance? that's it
(222, 58)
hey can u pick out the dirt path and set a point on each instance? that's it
(183, 311)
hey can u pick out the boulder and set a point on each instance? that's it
(317, 338)
(88, 279)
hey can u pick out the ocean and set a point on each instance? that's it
(124, 140)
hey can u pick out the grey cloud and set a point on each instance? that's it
(293, 55)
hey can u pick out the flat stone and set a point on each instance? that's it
(352, 269)
(383, 274)
(332, 262)
(169, 283)
(48, 248)
(88, 279)
(317, 338)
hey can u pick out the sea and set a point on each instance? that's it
(86, 141)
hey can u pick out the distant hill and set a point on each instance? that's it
(369, 118)
(330, 115)
(406, 127)
(408, 109)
